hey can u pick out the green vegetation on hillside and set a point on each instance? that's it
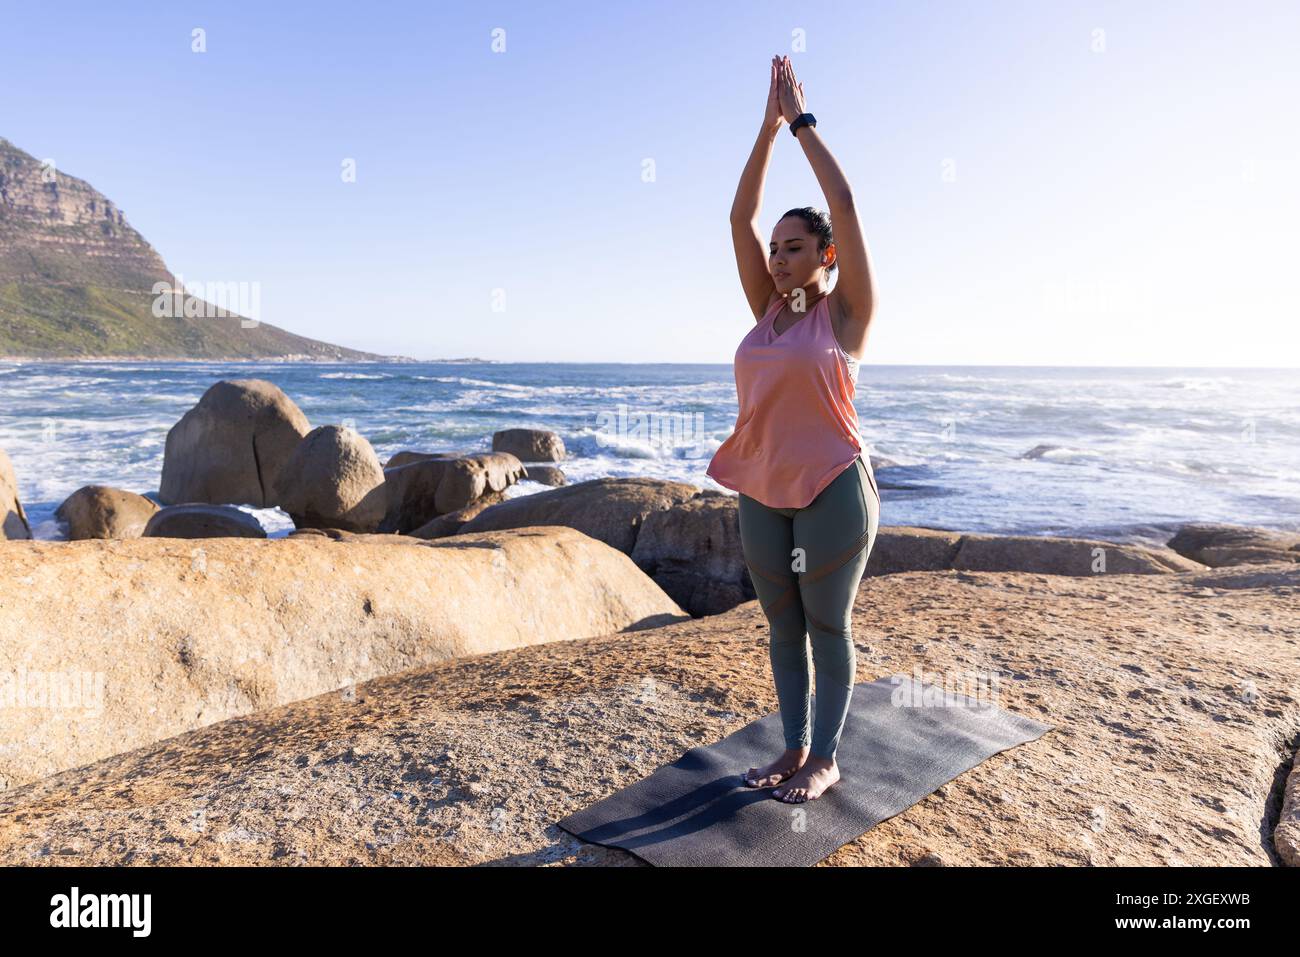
(77, 280)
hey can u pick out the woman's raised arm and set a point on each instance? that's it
(751, 252)
(856, 288)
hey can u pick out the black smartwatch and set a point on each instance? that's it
(802, 120)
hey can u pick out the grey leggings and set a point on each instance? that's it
(806, 564)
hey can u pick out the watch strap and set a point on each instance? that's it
(800, 121)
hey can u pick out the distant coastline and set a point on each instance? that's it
(315, 360)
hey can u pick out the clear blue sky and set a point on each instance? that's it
(1135, 204)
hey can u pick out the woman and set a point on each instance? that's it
(809, 506)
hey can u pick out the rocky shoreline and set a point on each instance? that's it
(232, 359)
(422, 634)
(294, 358)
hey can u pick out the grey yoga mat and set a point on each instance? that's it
(698, 811)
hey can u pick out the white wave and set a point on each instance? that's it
(461, 380)
(50, 530)
(1067, 454)
(895, 459)
(953, 377)
(623, 448)
(1197, 383)
(637, 445)
(276, 522)
(594, 391)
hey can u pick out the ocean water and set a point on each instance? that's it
(1120, 454)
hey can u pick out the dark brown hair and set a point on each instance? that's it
(819, 224)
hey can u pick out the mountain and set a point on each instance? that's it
(77, 281)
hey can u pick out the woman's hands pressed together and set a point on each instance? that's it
(789, 91)
(773, 119)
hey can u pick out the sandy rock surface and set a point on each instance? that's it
(13, 520)
(1173, 697)
(116, 644)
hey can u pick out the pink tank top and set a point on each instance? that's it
(797, 428)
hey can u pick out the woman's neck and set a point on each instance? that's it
(810, 296)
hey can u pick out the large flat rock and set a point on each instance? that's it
(116, 644)
(1172, 698)
(1218, 544)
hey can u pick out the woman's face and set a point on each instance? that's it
(793, 259)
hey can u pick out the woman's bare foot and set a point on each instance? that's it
(787, 764)
(816, 775)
